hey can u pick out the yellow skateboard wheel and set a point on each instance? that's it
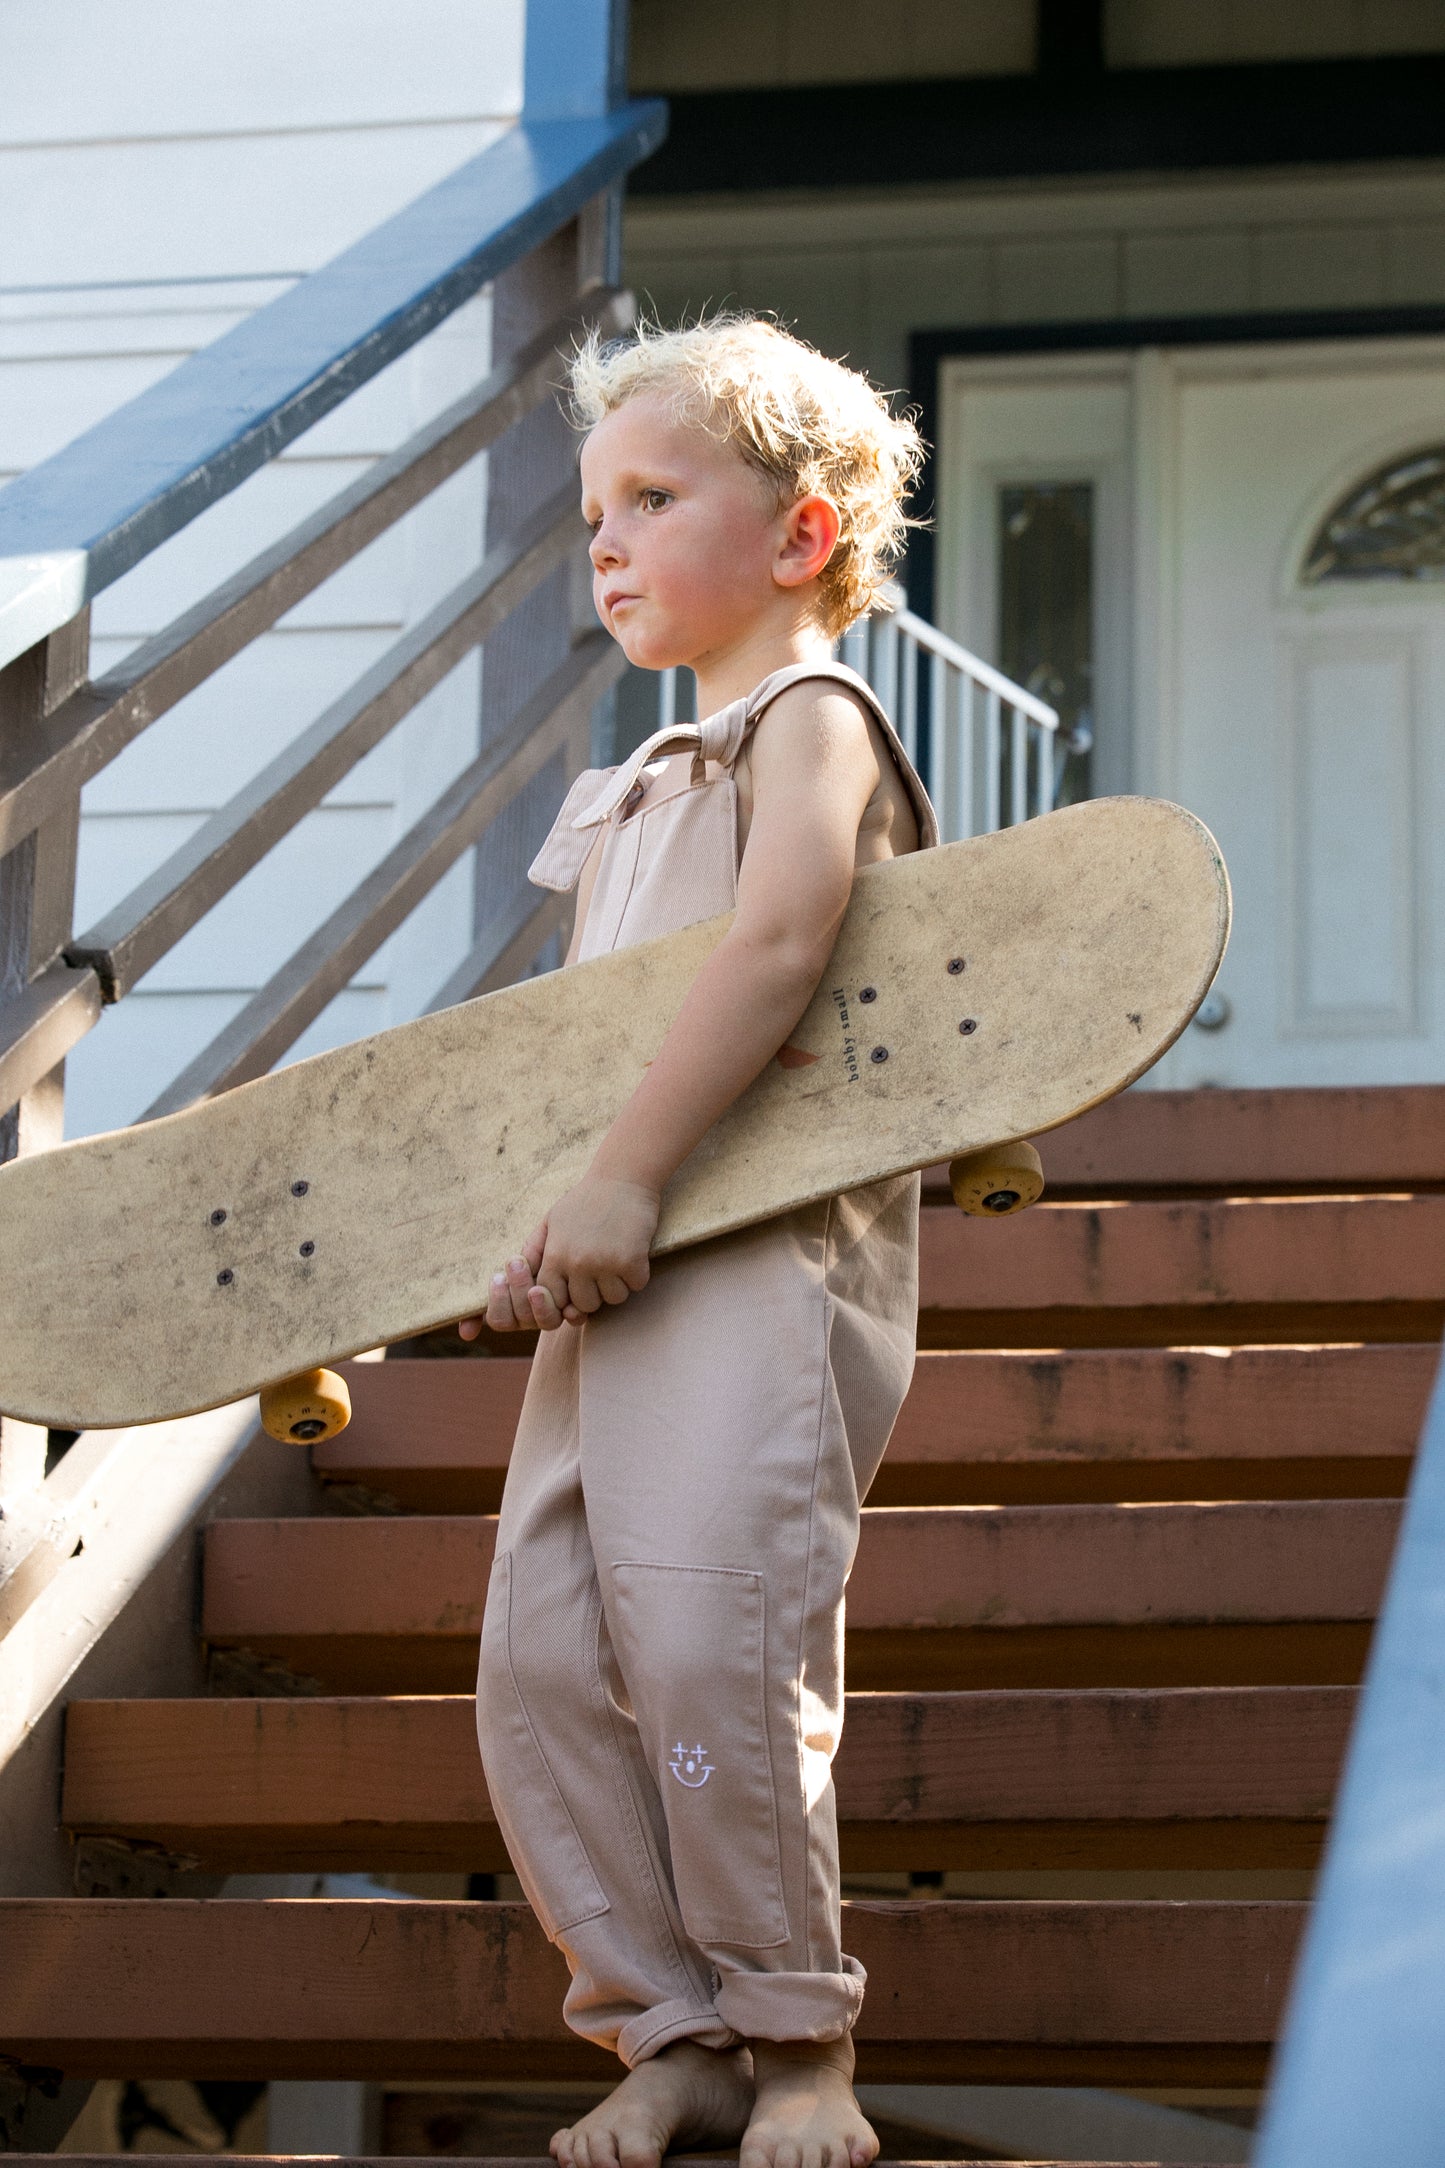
(304, 1410)
(1006, 1178)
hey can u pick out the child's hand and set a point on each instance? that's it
(507, 1306)
(595, 1244)
(591, 1249)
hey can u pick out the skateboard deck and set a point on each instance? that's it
(977, 993)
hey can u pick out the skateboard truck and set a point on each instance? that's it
(1001, 1179)
(305, 1409)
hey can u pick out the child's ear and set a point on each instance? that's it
(808, 538)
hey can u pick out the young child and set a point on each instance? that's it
(661, 1685)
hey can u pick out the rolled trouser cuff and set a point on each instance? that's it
(792, 2005)
(651, 2031)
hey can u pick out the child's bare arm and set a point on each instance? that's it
(814, 770)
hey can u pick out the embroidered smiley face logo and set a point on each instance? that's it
(690, 1767)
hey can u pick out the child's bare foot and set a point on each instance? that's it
(805, 2115)
(686, 2095)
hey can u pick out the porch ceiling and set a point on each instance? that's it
(861, 135)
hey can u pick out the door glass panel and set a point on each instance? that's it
(1390, 526)
(1045, 540)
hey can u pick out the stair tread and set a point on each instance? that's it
(1201, 1253)
(1343, 1135)
(1085, 1991)
(437, 1436)
(985, 1568)
(372, 1782)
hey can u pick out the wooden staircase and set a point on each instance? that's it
(1112, 1602)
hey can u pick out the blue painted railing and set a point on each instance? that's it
(1360, 2080)
(78, 522)
(74, 524)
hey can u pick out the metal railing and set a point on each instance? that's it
(984, 746)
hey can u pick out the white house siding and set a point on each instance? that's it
(164, 170)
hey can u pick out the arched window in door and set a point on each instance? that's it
(1391, 526)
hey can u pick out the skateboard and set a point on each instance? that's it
(978, 994)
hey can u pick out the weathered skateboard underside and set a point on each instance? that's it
(985, 991)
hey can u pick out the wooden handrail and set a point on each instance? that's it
(506, 946)
(536, 213)
(41, 771)
(39, 1027)
(74, 524)
(274, 1018)
(1360, 2073)
(132, 937)
(539, 205)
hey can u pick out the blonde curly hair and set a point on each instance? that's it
(805, 423)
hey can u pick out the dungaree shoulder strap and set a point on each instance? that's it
(600, 793)
(763, 696)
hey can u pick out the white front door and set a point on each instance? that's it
(1280, 565)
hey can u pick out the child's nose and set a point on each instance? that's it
(603, 550)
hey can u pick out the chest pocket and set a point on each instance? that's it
(671, 864)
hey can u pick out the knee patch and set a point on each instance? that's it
(694, 1650)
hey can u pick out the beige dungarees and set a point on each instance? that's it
(661, 1688)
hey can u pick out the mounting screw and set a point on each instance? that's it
(308, 1249)
(218, 1217)
(225, 1276)
(969, 1024)
(299, 1189)
(879, 1053)
(867, 993)
(956, 964)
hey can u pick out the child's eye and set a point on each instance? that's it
(656, 500)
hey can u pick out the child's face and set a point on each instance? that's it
(690, 552)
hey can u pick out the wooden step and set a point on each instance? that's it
(1118, 1992)
(1213, 1777)
(1226, 1593)
(980, 1426)
(1292, 1140)
(1212, 1270)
